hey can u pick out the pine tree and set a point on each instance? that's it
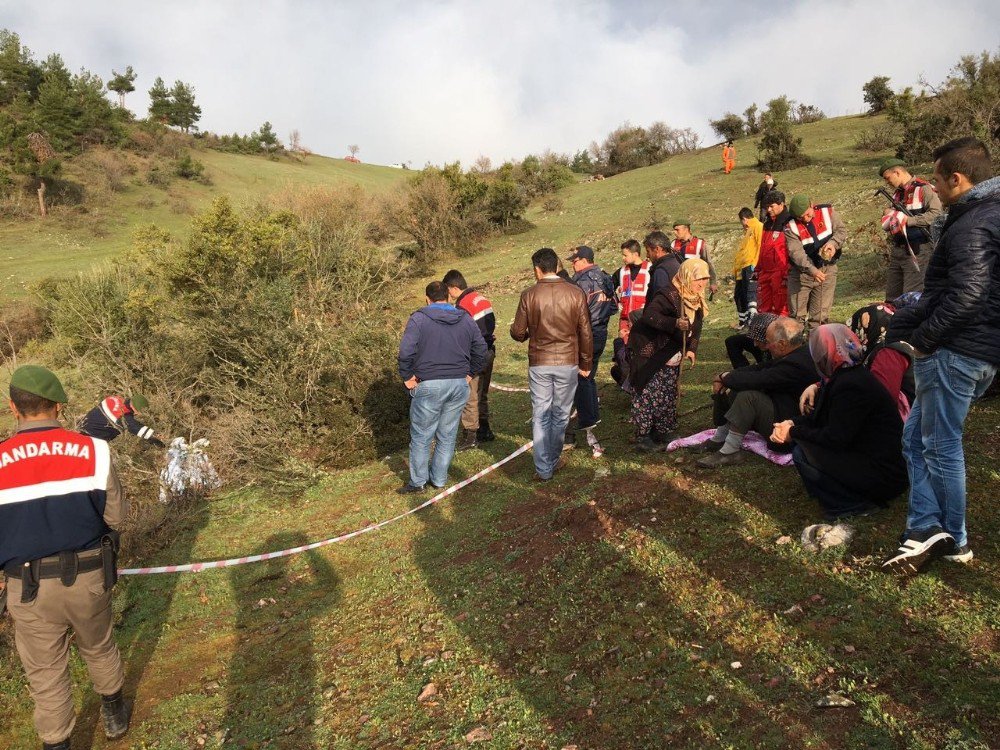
(268, 139)
(159, 102)
(122, 83)
(184, 113)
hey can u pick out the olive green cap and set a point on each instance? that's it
(799, 205)
(40, 382)
(682, 223)
(889, 164)
(139, 402)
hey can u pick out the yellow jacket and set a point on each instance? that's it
(749, 247)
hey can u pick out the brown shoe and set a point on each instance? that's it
(717, 459)
(560, 465)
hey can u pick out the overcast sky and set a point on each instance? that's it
(436, 81)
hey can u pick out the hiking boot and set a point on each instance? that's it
(958, 554)
(717, 459)
(484, 434)
(409, 489)
(466, 441)
(116, 714)
(64, 745)
(917, 549)
(646, 444)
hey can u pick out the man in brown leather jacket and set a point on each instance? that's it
(553, 318)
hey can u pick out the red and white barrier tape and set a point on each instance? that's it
(198, 567)
(509, 389)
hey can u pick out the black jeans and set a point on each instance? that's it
(588, 411)
(836, 500)
(738, 346)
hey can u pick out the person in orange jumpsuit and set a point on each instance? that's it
(728, 157)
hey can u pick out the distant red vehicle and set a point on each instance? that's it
(352, 159)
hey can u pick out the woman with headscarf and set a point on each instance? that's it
(848, 449)
(666, 332)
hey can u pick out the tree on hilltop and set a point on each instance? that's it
(729, 126)
(184, 113)
(878, 94)
(778, 148)
(122, 83)
(752, 116)
(353, 149)
(267, 138)
(159, 102)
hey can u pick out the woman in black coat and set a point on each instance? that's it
(667, 332)
(848, 449)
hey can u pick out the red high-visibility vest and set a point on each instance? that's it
(690, 249)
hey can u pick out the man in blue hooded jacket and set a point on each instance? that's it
(441, 350)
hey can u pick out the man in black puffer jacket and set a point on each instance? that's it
(955, 334)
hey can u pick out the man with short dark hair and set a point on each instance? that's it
(757, 396)
(60, 501)
(908, 233)
(601, 303)
(744, 263)
(476, 415)
(440, 352)
(663, 261)
(772, 261)
(955, 333)
(814, 236)
(631, 285)
(553, 317)
(686, 245)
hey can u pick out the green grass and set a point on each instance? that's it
(66, 242)
(604, 609)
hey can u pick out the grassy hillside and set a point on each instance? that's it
(67, 242)
(633, 602)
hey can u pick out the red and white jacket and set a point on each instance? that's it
(54, 488)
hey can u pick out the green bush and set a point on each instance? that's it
(189, 168)
(264, 328)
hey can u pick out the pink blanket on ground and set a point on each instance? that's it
(752, 442)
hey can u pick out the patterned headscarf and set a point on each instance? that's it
(758, 326)
(690, 271)
(870, 324)
(833, 346)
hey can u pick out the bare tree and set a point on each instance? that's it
(354, 148)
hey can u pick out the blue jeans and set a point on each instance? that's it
(588, 410)
(435, 411)
(552, 389)
(947, 383)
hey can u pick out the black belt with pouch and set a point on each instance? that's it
(66, 566)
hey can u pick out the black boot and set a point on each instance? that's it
(64, 745)
(484, 434)
(116, 714)
(467, 440)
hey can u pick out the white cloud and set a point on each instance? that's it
(446, 80)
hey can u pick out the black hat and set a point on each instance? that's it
(587, 253)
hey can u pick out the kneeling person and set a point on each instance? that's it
(756, 397)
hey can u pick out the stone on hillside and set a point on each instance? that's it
(479, 734)
(430, 691)
(834, 700)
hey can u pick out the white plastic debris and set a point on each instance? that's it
(819, 536)
(189, 473)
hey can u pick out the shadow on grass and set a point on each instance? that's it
(605, 650)
(145, 602)
(271, 683)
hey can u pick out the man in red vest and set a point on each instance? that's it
(908, 233)
(631, 284)
(60, 501)
(814, 236)
(686, 246)
(772, 262)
